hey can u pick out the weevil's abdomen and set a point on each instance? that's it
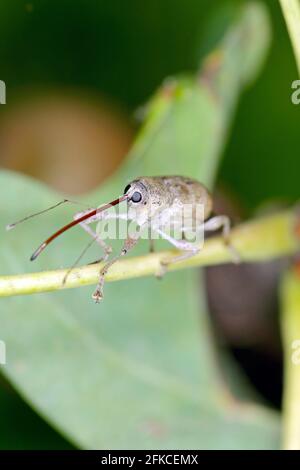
(188, 191)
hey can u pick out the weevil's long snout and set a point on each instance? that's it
(86, 216)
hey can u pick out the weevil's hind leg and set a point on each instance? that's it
(165, 263)
(188, 249)
(223, 222)
(128, 245)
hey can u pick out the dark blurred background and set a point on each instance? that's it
(77, 71)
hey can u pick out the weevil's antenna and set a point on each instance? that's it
(78, 259)
(11, 226)
(86, 216)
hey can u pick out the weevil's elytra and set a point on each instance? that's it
(151, 203)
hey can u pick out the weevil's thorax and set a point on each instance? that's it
(160, 198)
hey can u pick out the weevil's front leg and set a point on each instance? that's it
(129, 243)
(96, 237)
(151, 245)
(85, 225)
(188, 249)
(222, 221)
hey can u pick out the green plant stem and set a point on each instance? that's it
(291, 12)
(290, 299)
(259, 240)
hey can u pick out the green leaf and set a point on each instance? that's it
(291, 13)
(290, 328)
(31, 431)
(139, 370)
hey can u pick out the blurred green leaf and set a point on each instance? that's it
(26, 430)
(291, 13)
(290, 330)
(139, 370)
(261, 160)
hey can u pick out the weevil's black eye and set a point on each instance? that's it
(136, 197)
(127, 188)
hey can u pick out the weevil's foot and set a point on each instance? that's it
(236, 258)
(66, 276)
(97, 261)
(163, 268)
(151, 246)
(97, 296)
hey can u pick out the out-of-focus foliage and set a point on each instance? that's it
(261, 161)
(125, 48)
(25, 430)
(139, 371)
